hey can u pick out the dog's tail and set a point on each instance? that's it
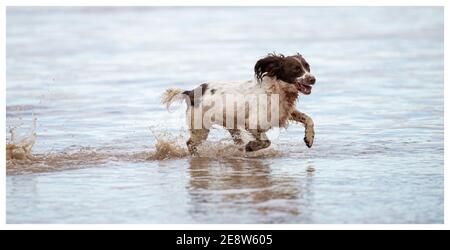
(172, 95)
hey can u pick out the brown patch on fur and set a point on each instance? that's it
(285, 68)
(303, 61)
(195, 100)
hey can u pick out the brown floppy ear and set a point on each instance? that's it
(271, 65)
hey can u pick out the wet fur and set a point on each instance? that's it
(274, 74)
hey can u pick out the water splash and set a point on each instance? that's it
(167, 146)
(227, 149)
(20, 148)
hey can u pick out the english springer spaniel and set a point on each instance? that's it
(256, 106)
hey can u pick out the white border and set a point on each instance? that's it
(3, 5)
(226, 227)
(3, 115)
(224, 3)
(446, 115)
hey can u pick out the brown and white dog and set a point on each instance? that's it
(256, 106)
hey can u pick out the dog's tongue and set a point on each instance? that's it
(306, 89)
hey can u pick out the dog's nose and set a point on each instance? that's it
(310, 79)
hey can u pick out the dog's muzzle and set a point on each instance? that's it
(304, 83)
(309, 79)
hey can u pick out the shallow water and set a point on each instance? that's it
(107, 151)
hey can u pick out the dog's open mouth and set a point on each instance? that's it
(303, 87)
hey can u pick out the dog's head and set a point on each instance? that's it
(291, 69)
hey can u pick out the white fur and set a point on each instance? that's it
(269, 87)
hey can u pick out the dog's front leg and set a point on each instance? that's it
(309, 126)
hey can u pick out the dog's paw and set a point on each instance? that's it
(309, 140)
(252, 146)
(257, 145)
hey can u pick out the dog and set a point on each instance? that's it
(278, 79)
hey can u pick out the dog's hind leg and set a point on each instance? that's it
(197, 137)
(261, 141)
(309, 126)
(236, 135)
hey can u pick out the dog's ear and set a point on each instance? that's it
(271, 65)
